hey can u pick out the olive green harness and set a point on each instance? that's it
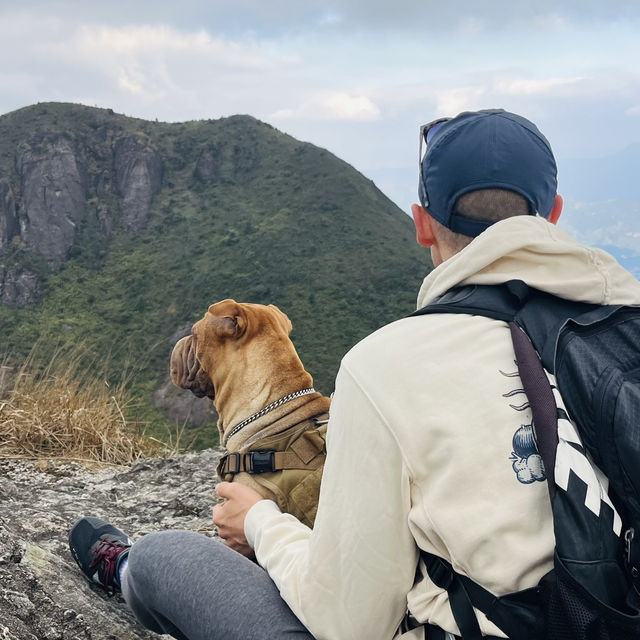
(288, 464)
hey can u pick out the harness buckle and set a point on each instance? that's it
(258, 461)
(228, 459)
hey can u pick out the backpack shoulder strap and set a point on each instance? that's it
(541, 315)
(501, 301)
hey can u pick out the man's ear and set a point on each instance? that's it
(424, 226)
(229, 317)
(556, 210)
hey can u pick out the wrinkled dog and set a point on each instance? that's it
(271, 420)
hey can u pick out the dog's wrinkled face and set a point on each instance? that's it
(186, 372)
(225, 325)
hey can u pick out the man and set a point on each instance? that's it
(429, 443)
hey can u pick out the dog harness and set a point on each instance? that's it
(265, 410)
(288, 464)
(301, 453)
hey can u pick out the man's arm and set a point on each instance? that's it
(349, 577)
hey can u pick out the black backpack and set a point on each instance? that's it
(594, 484)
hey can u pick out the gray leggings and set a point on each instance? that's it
(195, 588)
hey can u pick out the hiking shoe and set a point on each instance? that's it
(99, 548)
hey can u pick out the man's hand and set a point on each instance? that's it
(229, 515)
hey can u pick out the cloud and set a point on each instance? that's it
(332, 105)
(148, 70)
(532, 86)
(278, 17)
(633, 111)
(160, 40)
(450, 101)
(509, 90)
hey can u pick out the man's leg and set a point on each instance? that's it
(195, 588)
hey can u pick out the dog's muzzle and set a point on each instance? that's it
(186, 371)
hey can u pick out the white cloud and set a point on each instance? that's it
(450, 101)
(346, 107)
(531, 86)
(500, 91)
(332, 105)
(146, 70)
(100, 41)
(633, 111)
(127, 82)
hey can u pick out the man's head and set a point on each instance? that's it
(481, 167)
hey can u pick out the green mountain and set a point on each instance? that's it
(117, 233)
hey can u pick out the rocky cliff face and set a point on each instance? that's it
(48, 204)
(8, 219)
(43, 595)
(54, 184)
(138, 172)
(208, 166)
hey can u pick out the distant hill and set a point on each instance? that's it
(612, 225)
(117, 233)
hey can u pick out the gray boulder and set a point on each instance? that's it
(182, 407)
(43, 594)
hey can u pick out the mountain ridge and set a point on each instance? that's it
(119, 232)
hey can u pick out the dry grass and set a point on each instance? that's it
(59, 413)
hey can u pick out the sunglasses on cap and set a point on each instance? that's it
(426, 134)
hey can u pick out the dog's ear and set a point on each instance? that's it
(282, 319)
(230, 318)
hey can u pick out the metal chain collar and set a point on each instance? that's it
(263, 411)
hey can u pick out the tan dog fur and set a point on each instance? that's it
(240, 355)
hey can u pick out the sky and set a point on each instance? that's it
(357, 77)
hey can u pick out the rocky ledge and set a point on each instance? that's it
(43, 595)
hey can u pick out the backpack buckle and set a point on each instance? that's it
(628, 539)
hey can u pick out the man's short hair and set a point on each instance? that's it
(485, 205)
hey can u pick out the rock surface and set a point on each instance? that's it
(43, 595)
(8, 218)
(182, 407)
(138, 172)
(208, 166)
(17, 288)
(54, 182)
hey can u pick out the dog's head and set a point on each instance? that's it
(221, 341)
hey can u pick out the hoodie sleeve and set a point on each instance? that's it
(348, 578)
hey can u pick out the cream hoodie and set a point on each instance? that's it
(427, 446)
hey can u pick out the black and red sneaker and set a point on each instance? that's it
(99, 549)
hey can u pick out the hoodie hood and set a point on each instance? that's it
(531, 249)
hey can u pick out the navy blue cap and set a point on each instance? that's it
(482, 150)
